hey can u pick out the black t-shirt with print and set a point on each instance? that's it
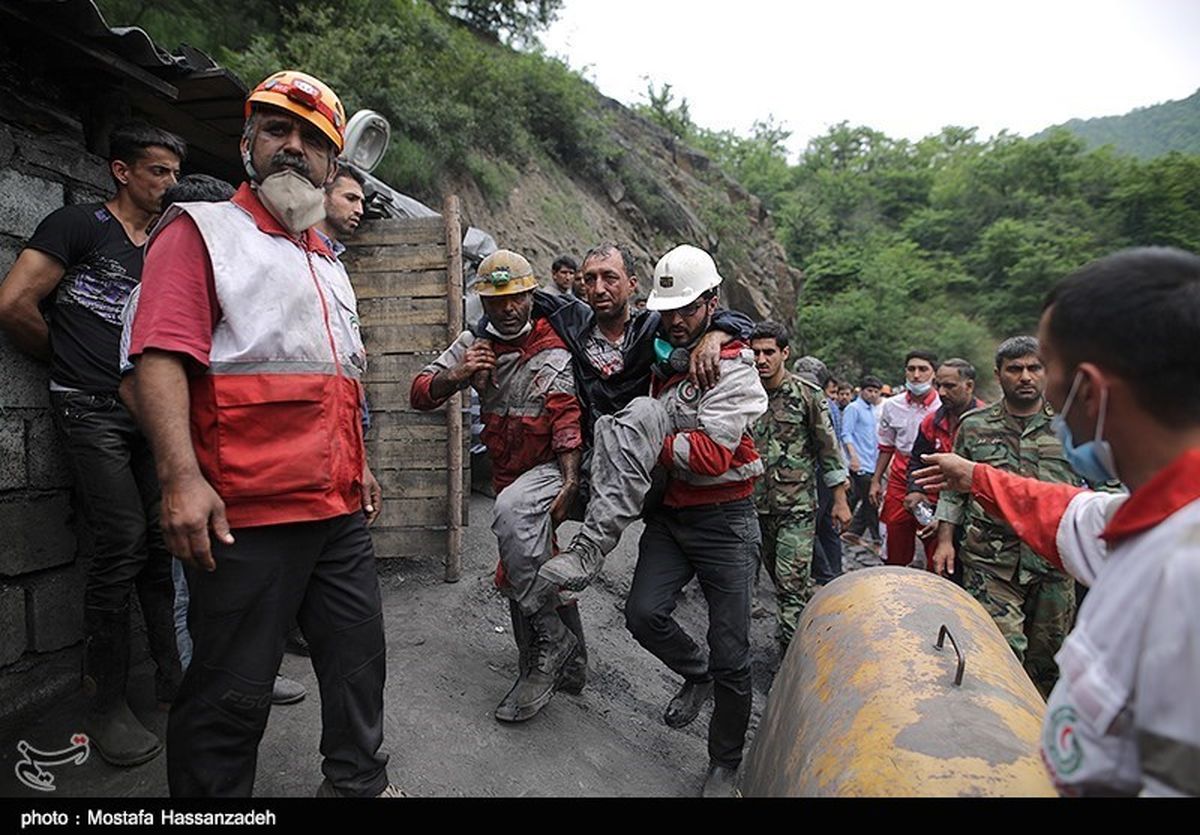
(102, 268)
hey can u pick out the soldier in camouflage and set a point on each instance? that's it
(1032, 602)
(795, 439)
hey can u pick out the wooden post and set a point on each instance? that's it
(454, 408)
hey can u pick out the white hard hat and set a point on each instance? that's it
(681, 276)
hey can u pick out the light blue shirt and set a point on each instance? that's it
(858, 429)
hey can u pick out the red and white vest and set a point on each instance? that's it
(276, 421)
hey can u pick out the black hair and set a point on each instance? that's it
(965, 370)
(1136, 313)
(564, 261)
(1016, 347)
(128, 142)
(844, 384)
(869, 382)
(344, 170)
(606, 248)
(197, 188)
(929, 357)
(770, 330)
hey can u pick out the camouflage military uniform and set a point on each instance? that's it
(1031, 602)
(793, 437)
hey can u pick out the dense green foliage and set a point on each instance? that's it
(1146, 132)
(458, 101)
(949, 243)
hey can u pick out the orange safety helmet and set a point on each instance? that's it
(305, 96)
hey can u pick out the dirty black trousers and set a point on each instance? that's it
(323, 574)
(719, 545)
(118, 489)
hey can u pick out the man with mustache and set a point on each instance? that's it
(531, 417)
(1030, 600)
(249, 366)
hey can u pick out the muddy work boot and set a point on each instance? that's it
(685, 707)
(575, 568)
(118, 735)
(574, 677)
(720, 782)
(522, 632)
(553, 645)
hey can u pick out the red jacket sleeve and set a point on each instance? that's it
(1032, 508)
(419, 397)
(178, 308)
(566, 417)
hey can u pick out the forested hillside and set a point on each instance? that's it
(950, 242)
(1146, 132)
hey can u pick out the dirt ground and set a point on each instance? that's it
(451, 658)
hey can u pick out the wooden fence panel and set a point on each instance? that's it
(407, 277)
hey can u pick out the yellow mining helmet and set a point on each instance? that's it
(505, 273)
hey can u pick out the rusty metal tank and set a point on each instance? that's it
(866, 705)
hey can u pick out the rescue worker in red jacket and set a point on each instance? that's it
(954, 382)
(707, 526)
(249, 365)
(532, 429)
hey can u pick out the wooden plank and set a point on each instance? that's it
(396, 368)
(394, 231)
(404, 339)
(375, 313)
(390, 259)
(412, 484)
(416, 285)
(388, 424)
(404, 432)
(454, 416)
(418, 543)
(407, 455)
(392, 396)
(413, 513)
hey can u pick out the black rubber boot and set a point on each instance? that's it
(553, 646)
(110, 725)
(574, 677)
(506, 711)
(158, 608)
(685, 707)
(720, 782)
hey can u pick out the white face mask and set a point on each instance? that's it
(295, 202)
(509, 337)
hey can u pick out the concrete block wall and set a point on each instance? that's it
(41, 576)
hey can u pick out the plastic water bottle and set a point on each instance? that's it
(924, 513)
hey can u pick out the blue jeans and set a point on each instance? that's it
(182, 637)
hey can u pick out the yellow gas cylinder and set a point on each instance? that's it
(866, 705)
